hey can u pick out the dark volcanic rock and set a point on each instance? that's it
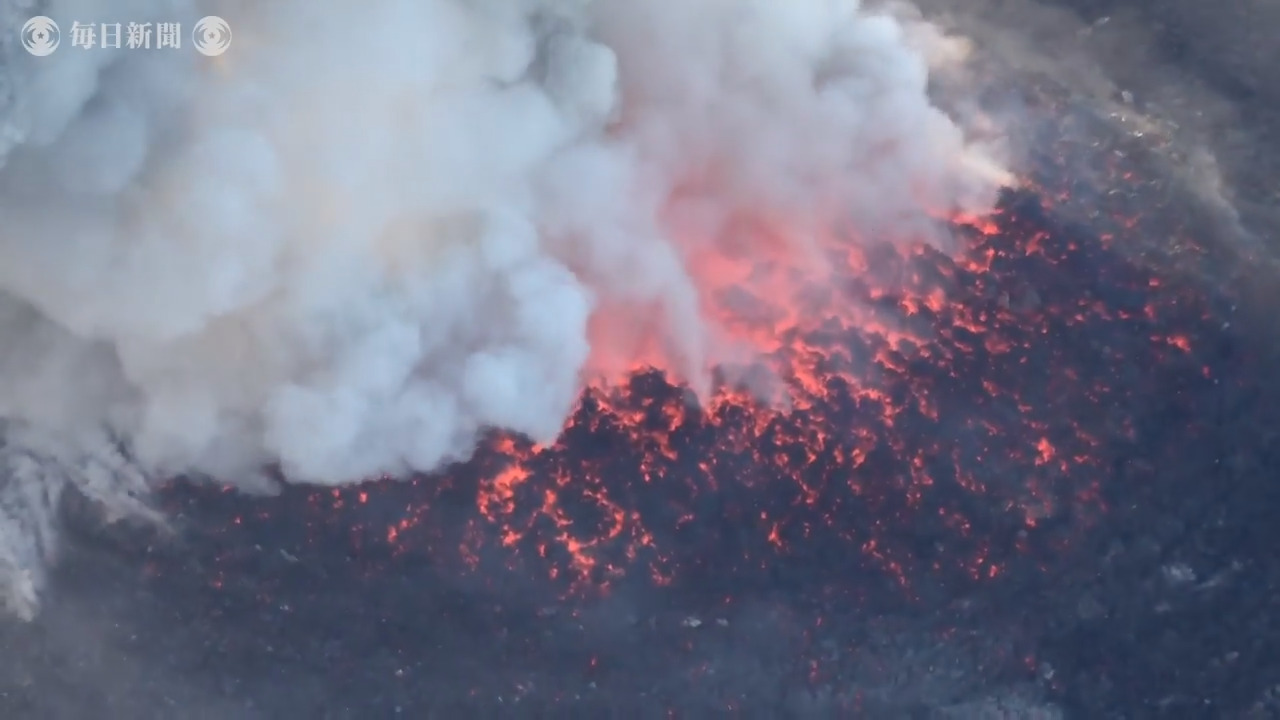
(1163, 604)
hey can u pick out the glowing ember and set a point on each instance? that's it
(947, 422)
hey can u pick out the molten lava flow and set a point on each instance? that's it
(944, 422)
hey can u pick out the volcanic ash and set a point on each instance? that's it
(369, 231)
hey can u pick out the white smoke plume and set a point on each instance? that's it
(371, 230)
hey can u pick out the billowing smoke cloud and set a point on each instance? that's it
(371, 230)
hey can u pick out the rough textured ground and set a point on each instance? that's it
(1165, 607)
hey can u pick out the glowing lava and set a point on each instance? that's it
(949, 421)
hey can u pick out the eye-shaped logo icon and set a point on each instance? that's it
(211, 36)
(40, 36)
